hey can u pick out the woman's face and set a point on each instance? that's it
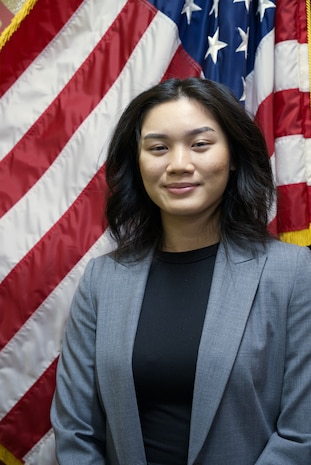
(184, 160)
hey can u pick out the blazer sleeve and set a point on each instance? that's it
(77, 415)
(291, 443)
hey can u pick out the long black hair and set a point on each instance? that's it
(134, 220)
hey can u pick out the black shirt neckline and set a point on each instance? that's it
(189, 256)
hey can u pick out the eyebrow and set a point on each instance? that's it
(192, 132)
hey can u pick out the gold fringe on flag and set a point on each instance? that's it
(302, 237)
(16, 21)
(7, 458)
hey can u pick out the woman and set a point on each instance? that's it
(190, 343)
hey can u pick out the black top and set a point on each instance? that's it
(166, 347)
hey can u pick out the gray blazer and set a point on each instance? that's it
(252, 393)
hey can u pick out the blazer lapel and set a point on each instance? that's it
(233, 289)
(122, 294)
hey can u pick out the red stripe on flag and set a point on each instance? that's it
(273, 227)
(292, 113)
(37, 274)
(182, 66)
(29, 420)
(264, 119)
(293, 213)
(41, 145)
(28, 42)
(301, 22)
(305, 111)
(290, 21)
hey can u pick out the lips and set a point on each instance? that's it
(181, 187)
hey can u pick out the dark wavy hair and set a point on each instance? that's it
(134, 220)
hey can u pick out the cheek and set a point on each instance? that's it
(145, 174)
(148, 170)
(217, 177)
(218, 168)
(142, 169)
(147, 180)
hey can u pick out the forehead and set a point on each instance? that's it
(181, 112)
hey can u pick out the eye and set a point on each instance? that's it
(201, 144)
(158, 148)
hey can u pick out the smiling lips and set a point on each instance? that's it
(181, 188)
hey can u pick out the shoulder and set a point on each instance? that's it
(289, 265)
(285, 274)
(107, 270)
(111, 261)
(273, 249)
(281, 251)
(281, 260)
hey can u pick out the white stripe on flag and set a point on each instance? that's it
(290, 169)
(290, 74)
(303, 65)
(43, 453)
(308, 160)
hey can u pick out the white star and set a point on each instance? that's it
(214, 46)
(262, 6)
(247, 3)
(188, 8)
(215, 8)
(243, 45)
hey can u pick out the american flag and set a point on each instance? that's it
(66, 74)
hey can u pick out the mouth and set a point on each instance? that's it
(181, 187)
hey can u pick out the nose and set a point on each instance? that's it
(180, 160)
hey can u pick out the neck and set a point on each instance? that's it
(182, 235)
